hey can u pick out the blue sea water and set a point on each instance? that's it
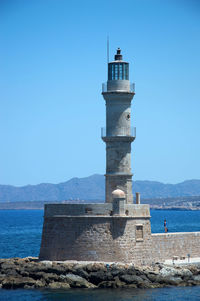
(162, 294)
(20, 236)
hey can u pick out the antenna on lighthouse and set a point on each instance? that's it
(107, 49)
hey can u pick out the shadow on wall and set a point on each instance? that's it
(60, 230)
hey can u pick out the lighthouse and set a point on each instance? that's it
(118, 135)
(117, 230)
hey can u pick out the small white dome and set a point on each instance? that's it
(118, 193)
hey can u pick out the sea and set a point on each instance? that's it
(20, 236)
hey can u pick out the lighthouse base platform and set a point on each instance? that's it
(102, 232)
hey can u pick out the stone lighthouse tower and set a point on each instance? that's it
(117, 230)
(118, 134)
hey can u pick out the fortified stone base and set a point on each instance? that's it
(97, 232)
(110, 232)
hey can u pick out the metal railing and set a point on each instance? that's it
(131, 90)
(119, 132)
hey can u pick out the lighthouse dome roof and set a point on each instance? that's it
(118, 193)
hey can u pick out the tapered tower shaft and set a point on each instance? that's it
(118, 135)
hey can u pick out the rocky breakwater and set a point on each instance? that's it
(30, 273)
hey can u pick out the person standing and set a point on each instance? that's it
(165, 226)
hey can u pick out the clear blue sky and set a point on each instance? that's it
(52, 65)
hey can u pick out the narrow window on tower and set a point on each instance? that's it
(139, 233)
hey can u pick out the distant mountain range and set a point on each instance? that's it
(93, 188)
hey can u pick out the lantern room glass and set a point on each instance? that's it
(118, 71)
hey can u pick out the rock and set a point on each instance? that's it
(58, 285)
(191, 283)
(155, 285)
(46, 263)
(2, 277)
(144, 277)
(30, 273)
(175, 280)
(48, 277)
(28, 287)
(16, 282)
(118, 283)
(144, 284)
(170, 271)
(131, 285)
(131, 271)
(34, 267)
(94, 267)
(130, 279)
(194, 269)
(196, 278)
(169, 280)
(44, 267)
(122, 270)
(111, 284)
(23, 273)
(148, 271)
(9, 268)
(40, 284)
(81, 272)
(11, 272)
(76, 281)
(59, 269)
(99, 276)
(115, 272)
(184, 273)
(117, 269)
(152, 277)
(68, 266)
(173, 276)
(106, 284)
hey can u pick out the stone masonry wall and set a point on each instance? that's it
(105, 209)
(88, 232)
(167, 245)
(95, 239)
(123, 182)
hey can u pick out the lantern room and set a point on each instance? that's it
(118, 69)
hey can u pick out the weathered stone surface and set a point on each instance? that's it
(111, 284)
(97, 238)
(8, 265)
(58, 285)
(14, 282)
(48, 277)
(152, 277)
(167, 245)
(196, 278)
(81, 272)
(165, 271)
(28, 274)
(40, 283)
(76, 281)
(99, 276)
(131, 279)
(94, 267)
